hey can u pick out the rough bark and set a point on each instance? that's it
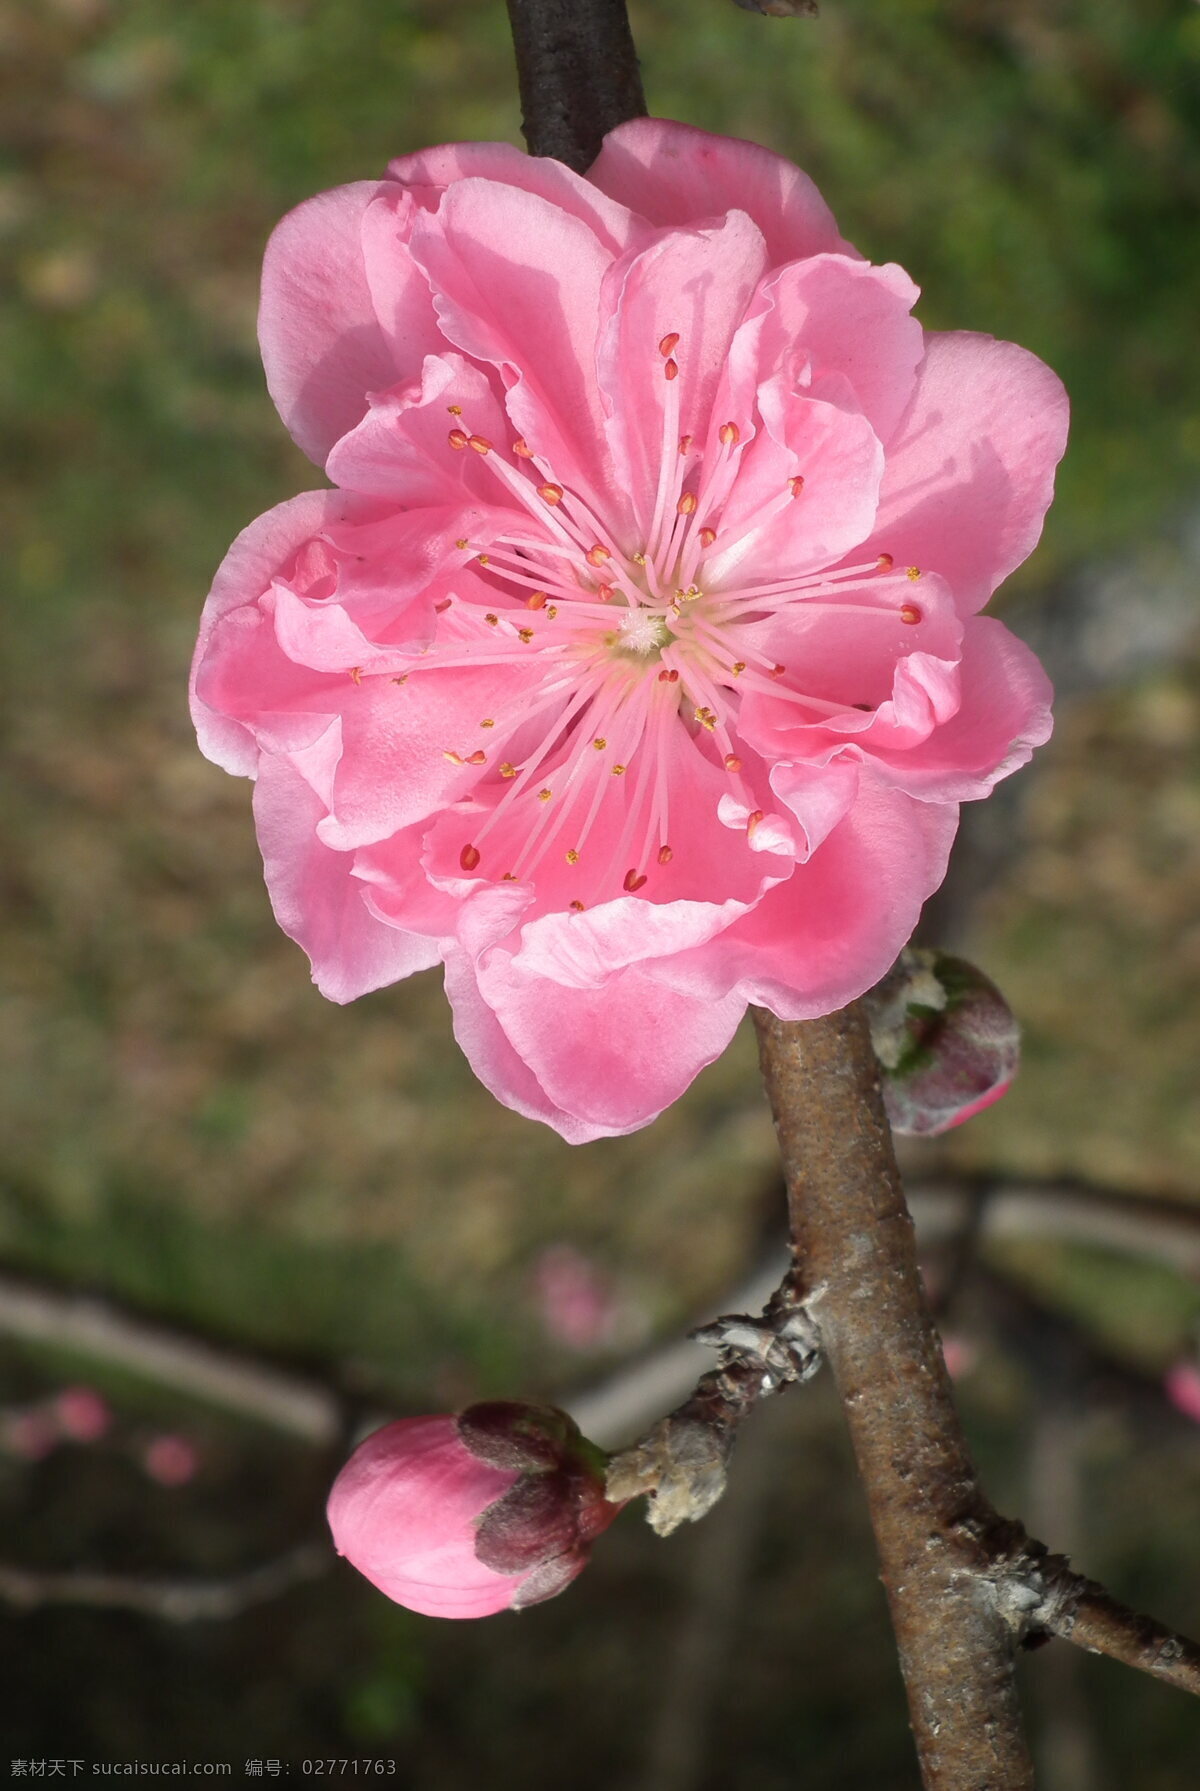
(937, 1536)
(578, 75)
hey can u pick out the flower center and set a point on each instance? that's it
(611, 707)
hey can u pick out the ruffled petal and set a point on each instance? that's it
(491, 1054)
(612, 1058)
(847, 318)
(402, 450)
(322, 346)
(825, 936)
(970, 470)
(431, 171)
(1002, 715)
(675, 174)
(517, 284)
(270, 542)
(316, 897)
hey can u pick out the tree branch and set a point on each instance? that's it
(578, 75)
(1092, 1619)
(176, 1601)
(937, 1536)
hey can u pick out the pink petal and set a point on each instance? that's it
(852, 319)
(401, 448)
(517, 283)
(821, 939)
(494, 1059)
(970, 470)
(270, 542)
(1003, 714)
(613, 1057)
(399, 291)
(839, 458)
(395, 769)
(851, 645)
(675, 174)
(692, 285)
(316, 898)
(322, 346)
(817, 795)
(436, 169)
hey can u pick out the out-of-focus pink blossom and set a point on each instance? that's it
(575, 1300)
(960, 1355)
(31, 1434)
(462, 1517)
(82, 1414)
(1181, 1383)
(171, 1460)
(633, 669)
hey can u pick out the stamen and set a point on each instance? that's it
(671, 370)
(481, 444)
(468, 858)
(521, 449)
(911, 614)
(550, 494)
(668, 344)
(457, 439)
(633, 880)
(665, 855)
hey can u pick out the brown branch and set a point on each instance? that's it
(578, 75)
(176, 1601)
(937, 1536)
(1092, 1619)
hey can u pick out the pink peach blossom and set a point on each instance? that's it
(30, 1433)
(455, 1518)
(576, 1303)
(82, 1414)
(171, 1460)
(633, 667)
(1181, 1384)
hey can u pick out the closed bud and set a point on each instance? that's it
(463, 1516)
(946, 1040)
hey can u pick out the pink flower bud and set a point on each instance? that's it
(82, 1414)
(1181, 1383)
(946, 1040)
(171, 1460)
(461, 1517)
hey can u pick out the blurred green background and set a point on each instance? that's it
(192, 1132)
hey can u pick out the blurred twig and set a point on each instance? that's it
(174, 1600)
(236, 1383)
